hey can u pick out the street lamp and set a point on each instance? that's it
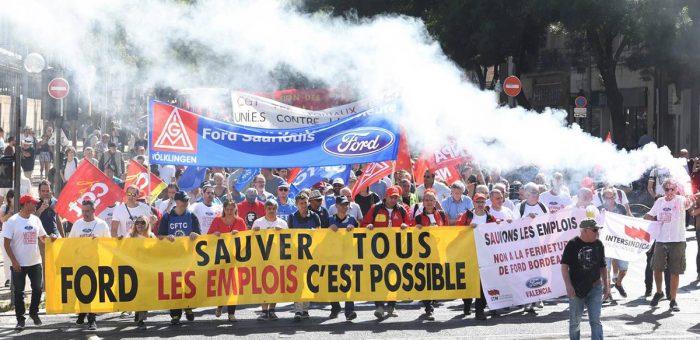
(33, 63)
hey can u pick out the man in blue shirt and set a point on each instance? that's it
(457, 203)
(285, 208)
(315, 205)
(304, 218)
(179, 222)
(342, 220)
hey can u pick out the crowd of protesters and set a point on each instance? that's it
(217, 207)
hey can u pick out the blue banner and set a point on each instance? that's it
(192, 177)
(309, 176)
(181, 137)
(245, 177)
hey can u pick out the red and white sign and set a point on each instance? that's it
(627, 238)
(87, 183)
(512, 86)
(372, 174)
(58, 88)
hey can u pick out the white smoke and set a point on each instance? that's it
(240, 43)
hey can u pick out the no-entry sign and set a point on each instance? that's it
(58, 88)
(512, 86)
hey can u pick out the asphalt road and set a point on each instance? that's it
(631, 318)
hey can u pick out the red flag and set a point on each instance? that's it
(87, 183)
(292, 174)
(372, 174)
(448, 174)
(448, 156)
(608, 138)
(137, 175)
(403, 161)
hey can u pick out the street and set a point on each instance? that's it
(630, 318)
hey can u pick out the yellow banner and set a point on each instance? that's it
(386, 264)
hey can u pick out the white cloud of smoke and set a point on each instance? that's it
(240, 43)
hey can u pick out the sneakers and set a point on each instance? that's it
(530, 308)
(297, 316)
(36, 319)
(305, 315)
(429, 316)
(20, 325)
(189, 315)
(467, 309)
(265, 316)
(621, 290)
(334, 314)
(271, 315)
(674, 306)
(141, 325)
(92, 326)
(539, 305)
(647, 292)
(175, 320)
(217, 313)
(390, 312)
(379, 312)
(7, 283)
(81, 320)
(480, 315)
(655, 300)
(232, 318)
(351, 316)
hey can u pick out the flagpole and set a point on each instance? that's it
(148, 150)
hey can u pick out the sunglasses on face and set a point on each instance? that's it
(140, 223)
(282, 189)
(131, 194)
(669, 189)
(428, 176)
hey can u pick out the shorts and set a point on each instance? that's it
(621, 265)
(671, 254)
(45, 157)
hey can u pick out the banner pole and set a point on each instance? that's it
(148, 150)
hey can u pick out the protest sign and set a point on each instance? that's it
(106, 275)
(181, 137)
(519, 262)
(256, 111)
(627, 238)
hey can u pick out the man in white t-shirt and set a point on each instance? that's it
(531, 206)
(167, 173)
(442, 190)
(125, 214)
(165, 205)
(657, 177)
(269, 221)
(498, 210)
(107, 214)
(620, 197)
(206, 210)
(555, 199)
(92, 227)
(669, 249)
(21, 236)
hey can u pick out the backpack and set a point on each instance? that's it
(522, 207)
(443, 216)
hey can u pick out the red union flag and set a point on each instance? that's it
(627, 238)
(371, 174)
(87, 183)
(450, 155)
(403, 161)
(174, 129)
(138, 175)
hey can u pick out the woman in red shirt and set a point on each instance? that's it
(228, 222)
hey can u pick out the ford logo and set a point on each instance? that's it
(28, 227)
(536, 282)
(87, 231)
(358, 142)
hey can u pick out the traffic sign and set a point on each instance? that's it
(581, 101)
(512, 86)
(580, 112)
(58, 88)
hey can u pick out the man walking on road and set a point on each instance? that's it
(586, 279)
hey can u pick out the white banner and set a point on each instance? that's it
(519, 262)
(627, 238)
(255, 111)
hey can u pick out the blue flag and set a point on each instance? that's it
(310, 176)
(245, 177)
(192, 177)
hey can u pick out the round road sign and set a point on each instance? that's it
(58, 88)
(512, 86)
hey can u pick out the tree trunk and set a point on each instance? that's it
(481, 76)
(615, 104)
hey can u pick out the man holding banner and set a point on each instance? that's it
(586, 278)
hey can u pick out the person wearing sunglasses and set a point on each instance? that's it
(125, 214)
(442, 190)
(92, 227)
(583, 269)
(285, 207)
(669, 249)
(179, 222)
(141, 229)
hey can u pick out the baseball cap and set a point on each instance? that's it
(315, 195)
(283, 185)
(479, 197)
(338, 181)
(24, 199)
(589, 224)
(393, 191)
(182, 196)
(341, 200)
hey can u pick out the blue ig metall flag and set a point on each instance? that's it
(312, 175)
(245, 177)
(192, 177)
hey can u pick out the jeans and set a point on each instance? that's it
(593, 302)
(19, 280)
(349, 307)
(697, 239)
